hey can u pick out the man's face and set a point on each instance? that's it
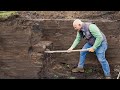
(77, 27)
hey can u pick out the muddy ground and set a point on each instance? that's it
(54, 66)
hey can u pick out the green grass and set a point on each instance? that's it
(6, 14)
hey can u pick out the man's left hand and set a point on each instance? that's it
(91, 50)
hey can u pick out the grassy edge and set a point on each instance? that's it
(5, 15)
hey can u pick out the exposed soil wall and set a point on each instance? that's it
(21, 49)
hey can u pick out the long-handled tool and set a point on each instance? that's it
(60, 51)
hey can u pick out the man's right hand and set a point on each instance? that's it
(70, 49)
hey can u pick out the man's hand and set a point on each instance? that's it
(70, 49)
(91, 50)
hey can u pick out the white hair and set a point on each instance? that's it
(77, 21)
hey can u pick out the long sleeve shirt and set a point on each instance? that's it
(95, 32)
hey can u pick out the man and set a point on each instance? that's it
(96, 42)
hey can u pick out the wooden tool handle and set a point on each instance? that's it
(60, 51)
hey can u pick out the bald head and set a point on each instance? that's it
(77, 21)
(77, 24)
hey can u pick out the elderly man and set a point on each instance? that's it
(96, 42)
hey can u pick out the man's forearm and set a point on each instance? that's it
(97, 34)
(97, 43)
(76, 41)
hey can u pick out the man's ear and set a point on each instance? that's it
(79, 25)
